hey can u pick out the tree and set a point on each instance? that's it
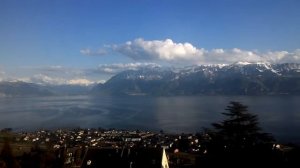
(240, 129)
(238, 141)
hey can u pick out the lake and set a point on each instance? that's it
(279, 115)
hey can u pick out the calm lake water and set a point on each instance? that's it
(279, 115)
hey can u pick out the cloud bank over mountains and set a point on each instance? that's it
(52, 80)
(118, 67)
(168, 51)
(50, 75)
(61, 75)
(145, 53)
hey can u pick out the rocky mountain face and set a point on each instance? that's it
(241, 78)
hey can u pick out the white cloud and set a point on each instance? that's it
(185, 53)
(216, 56)
(101, 81)
(80, 82)
(283, 56)
(140, 49)
(2, 75)
(89, 52)
(59, 75)
(118, 67)
(46, 80)
(218, 51)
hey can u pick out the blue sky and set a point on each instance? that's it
(65, 40)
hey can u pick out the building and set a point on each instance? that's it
(125, 158)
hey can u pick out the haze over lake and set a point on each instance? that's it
(278, 115)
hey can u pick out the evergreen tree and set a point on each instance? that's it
(237, 140)
(240, 129)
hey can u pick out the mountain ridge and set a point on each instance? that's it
(233, 79)
(240, 78)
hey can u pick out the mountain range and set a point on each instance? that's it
(241, 78)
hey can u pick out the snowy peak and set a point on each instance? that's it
(239, 79)
(258, 68)
(242, 63)
(155, 73)
(159, 73)
(241, 68)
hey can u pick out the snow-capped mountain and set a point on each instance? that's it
(241, 78)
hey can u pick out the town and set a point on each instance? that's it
(73, 147)
(112, 148)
